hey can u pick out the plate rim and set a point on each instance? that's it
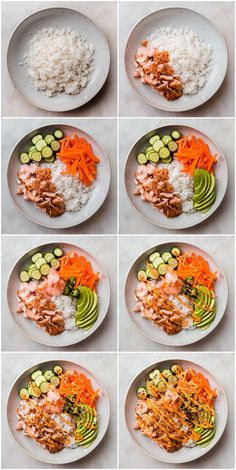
(40, 364)
(162, 107)
(160, 224)
(45, 343)
(70, 108)
(164, 342)
(33, 220)
(155, 364)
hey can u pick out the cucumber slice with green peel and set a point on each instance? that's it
(44, 387)
(40, 144)
(175, 135)
(55, 145)
(31, 147)
(142, 159)
(142, 275)
(158, 144)
(141, 392)
(55, 263)
(55, 381)
(166, 256)
(153, 157)
(175, 251)
(36, 138)
(173, 263)
(152, 273)
(48, 138)
(34, 391)
(49, 159)
(24, 158)
(40, 379)
(45, 269)
(39, 262)
(35, 274)
(24, 276)
(48, 257)
(58, 134)
(24, 394)
(36, 374)
(149, 148)
(47, 152)
(162, 269)
(167, 160)
(58, 252)
(36, 156)
(48, 374)
(166, 139)
(157, 262)
(172, 146)
(164, 153)
(154, 255)
(36, 256)
(154, 138)
(57, 370)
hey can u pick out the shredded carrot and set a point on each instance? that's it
(192, 265)
(194, 153)
(78, 157)
(73, 265)
(79, 386)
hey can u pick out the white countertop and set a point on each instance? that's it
(221, 131)
(104, 339)
(104, 104)
(222, 455)
(221, 14)
(221, 249)
(104, 132)
(104, 456)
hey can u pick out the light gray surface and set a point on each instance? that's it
(222, 338)
(99, 364)
(221, 131)
(104, 104)
(104, 132)
(222, 455)
(222, 103)
(104, 339)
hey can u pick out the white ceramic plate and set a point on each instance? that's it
(57, 18)
(68, 219)
(146, 209)
(178, 17)
(156, 334)
(28, 327)
(185, 454)
(29, 446)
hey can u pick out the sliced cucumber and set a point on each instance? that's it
(172, 146)
(39, 262)
(167, 160)
(164, 153)
(40, 144)
(36, 256)
(142, 159)
(154, 255)
(35, 274)
(175, 135)
(48, 257)
(49, 159)
(44, 387)
(24, 158)
(36, 156)
(175, 251)
(58, 134)
(48, 374)
(158, 145)
(34, 391)
(141, 392)
(36, 138)
(142, 275)
(40, 379)
(36, 374)
(47, 152)
(24, 276)
(173, 262)
(45, 269)
(154, 138)
(55, 145)
(162, 269)
(153, 157)
(55, 381)
(166, 139)
(57, 370)
(157, 262)
(48, 138)
(58, 252)
(24, 394)
(152, 273)
(55, 263)
(166, 256)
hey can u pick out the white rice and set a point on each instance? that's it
(75, 193)
(182, 184)
(67, 306)
(61, 422)
(59, 60)
(190, 55)
(182, 308)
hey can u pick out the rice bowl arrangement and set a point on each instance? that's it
(175, 177)
(58, 59)
(175, 59)
(175, 294)
(58, 294)
(62, 176)
(58, 412)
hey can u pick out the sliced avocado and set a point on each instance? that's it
(204, 190)
(87, 313)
